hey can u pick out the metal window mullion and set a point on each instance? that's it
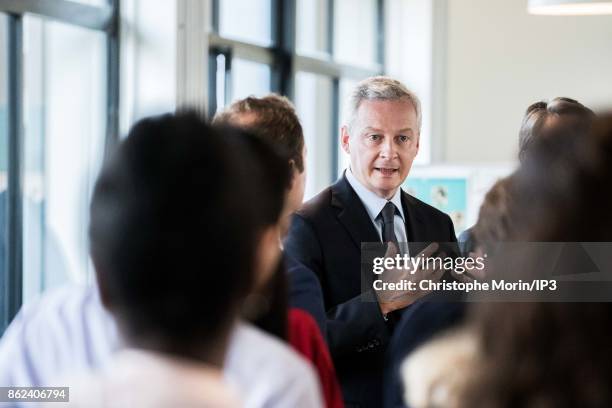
(240, 49)
(112, 81)
(14, 244)
(334, 69)
(229, 88)
(335, 123)
(212, 82)
(331, 11)
(283, 26)
(83, 15)
(215, 11)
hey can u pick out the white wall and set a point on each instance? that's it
(500, 59)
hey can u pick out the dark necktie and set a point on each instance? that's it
(388, 229)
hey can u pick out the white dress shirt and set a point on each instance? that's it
(67, 332)
(374, 205)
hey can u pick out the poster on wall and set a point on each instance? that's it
(457, 190)
(448, 195)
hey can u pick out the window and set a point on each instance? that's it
(57, 119)
(56, 191)
(4, 131)
(309, 50)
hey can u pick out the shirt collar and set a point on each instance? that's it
(372, 202)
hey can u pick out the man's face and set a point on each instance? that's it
(382, 143)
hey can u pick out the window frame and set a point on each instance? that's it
(104, 18)
(285, 62)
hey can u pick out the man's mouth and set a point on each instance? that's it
(386, 171)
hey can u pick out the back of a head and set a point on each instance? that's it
(175, 216)
(553, 353)
(542, 118)
(559, 185)
(271, 117)
(495, 223)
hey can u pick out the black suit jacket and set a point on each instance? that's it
(305, 291)
(326, 236)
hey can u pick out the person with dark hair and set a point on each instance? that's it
(185, 221)
(549, 354)
(164, 186)
(273, 119)
(541, 118)
(556, 113)
(553, 354)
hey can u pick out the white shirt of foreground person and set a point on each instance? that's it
(67, 331)
(138, 378)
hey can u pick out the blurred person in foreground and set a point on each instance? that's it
(425, 320)
(273, 119)
(427, 380)
(174, 291)
(494, 224)
(536, 354)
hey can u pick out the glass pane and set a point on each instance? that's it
(312, 34)
(249, 78)
(3, 159)
(313, 100)
(246, 20)
(64, 116)
(355, 31)
(345, 88)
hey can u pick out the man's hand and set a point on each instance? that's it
(390, 300)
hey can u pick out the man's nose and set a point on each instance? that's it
(387, 149)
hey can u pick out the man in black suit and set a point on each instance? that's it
(366, 205)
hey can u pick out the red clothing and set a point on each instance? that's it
(306, 338)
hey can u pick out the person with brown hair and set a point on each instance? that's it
(541, 118)
(539, 354)
(273, 119)
(553, 354)
(556, 113)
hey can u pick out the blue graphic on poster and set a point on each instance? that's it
(446, 194)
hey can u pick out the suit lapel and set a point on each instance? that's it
(352, 214)
(415, 226)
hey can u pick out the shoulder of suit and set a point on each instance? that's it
(315, 205)
(423, 208)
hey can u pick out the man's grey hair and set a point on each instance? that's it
(381, 88)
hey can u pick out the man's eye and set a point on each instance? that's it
(374, 138)
(403, 138)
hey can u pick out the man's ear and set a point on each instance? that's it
(418, 141)
(344, 139)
